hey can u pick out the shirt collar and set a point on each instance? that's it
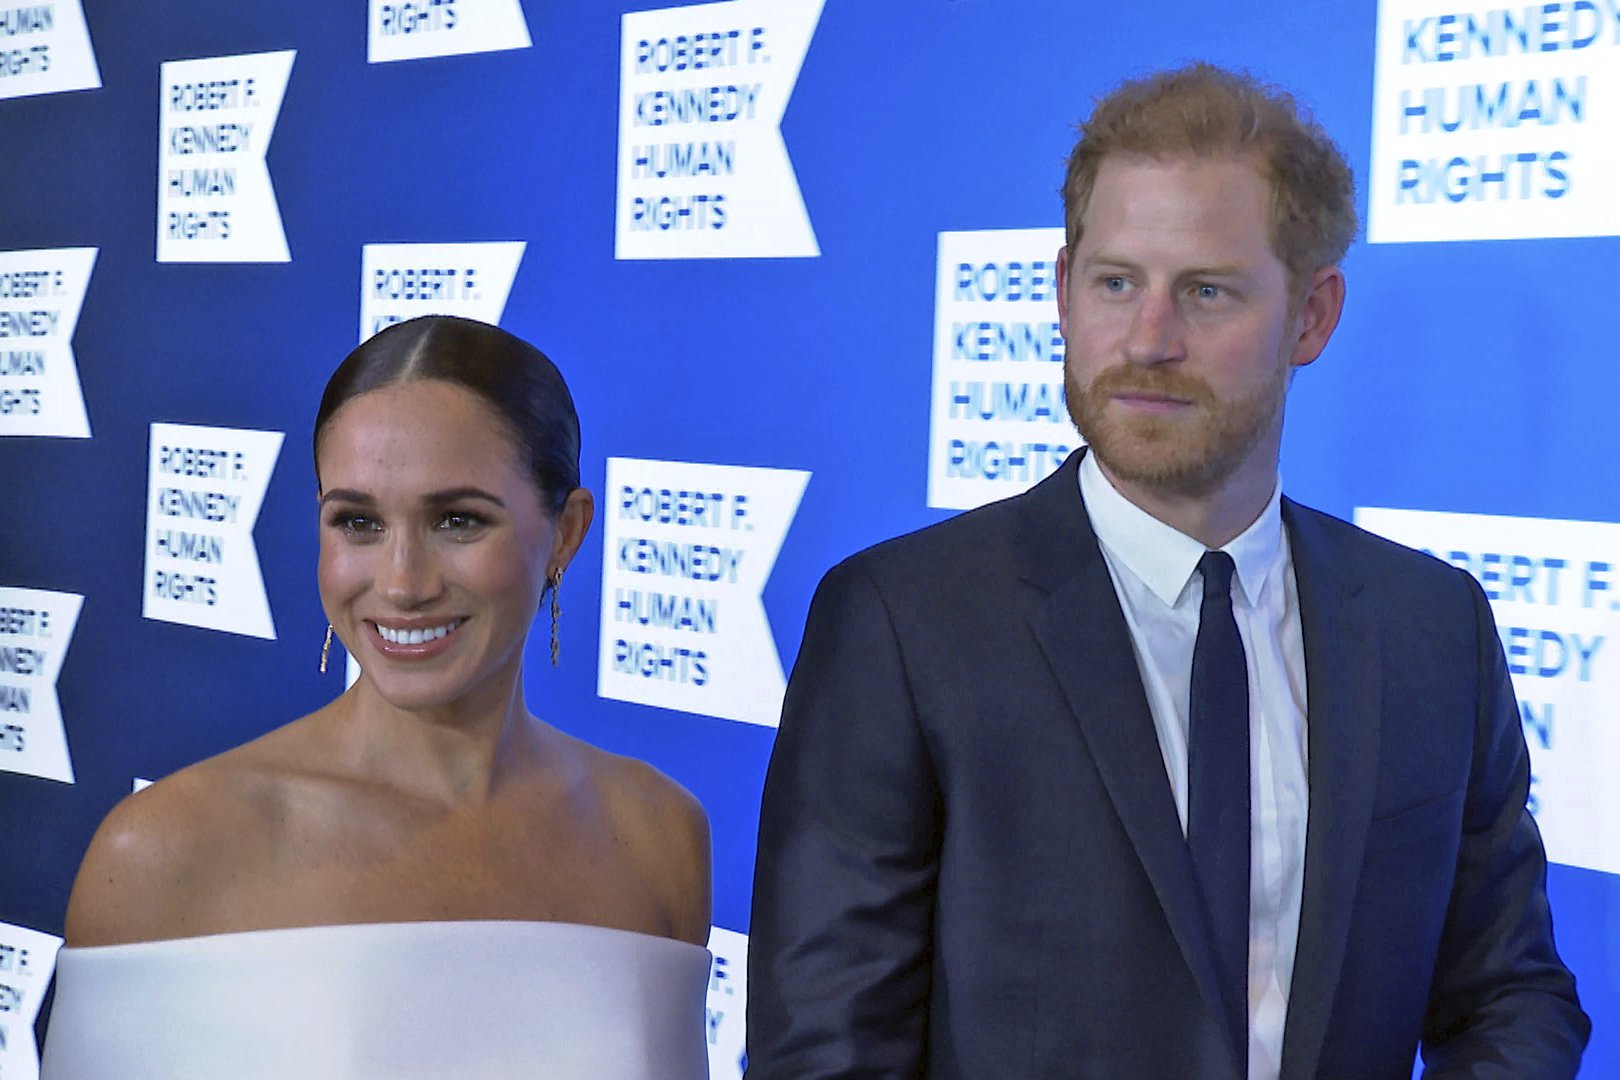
(1165, 558)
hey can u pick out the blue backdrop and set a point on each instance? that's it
(1470, 377)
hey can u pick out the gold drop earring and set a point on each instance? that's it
(556, 611)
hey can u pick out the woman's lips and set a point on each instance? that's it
(414, 639)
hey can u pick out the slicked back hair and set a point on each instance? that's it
(513, 378)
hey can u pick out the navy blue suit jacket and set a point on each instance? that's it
(971, 866)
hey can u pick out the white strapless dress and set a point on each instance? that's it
(395, 1001)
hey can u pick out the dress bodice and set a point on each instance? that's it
(393, 1001)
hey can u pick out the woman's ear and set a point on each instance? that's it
(573, 521)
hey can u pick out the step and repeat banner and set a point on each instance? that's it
(796, 259)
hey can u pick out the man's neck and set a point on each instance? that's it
(1213, 518)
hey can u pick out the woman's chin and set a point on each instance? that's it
(419, 692)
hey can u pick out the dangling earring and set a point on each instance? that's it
(556, 611)
(326, 647)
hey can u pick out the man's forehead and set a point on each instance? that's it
(1176, 189)
(1200, 212)
(1183, 161)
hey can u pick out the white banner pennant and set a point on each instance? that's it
(27, 962)
(205, 487)
(402, 281)
(415, 29)
(36, 628)
(45, 49)
(689, 548)
(1494, 122)
(41, 295)
(215, 199)
(727, 1003)
(703, 170)
(998, 421)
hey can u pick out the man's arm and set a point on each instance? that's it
(839, 953)
(1502, 1004)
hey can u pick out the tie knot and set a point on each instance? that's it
(1217, 568)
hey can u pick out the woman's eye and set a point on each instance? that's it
(460, 522)
(354, 524)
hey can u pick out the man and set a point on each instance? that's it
(1150, 772)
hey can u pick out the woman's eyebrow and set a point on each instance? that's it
(456, 494)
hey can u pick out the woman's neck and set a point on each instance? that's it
(455, 754)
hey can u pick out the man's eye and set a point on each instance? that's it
(1113, 283)
(1209, 292)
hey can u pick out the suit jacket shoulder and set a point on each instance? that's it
(975, 538)
(1041, 535)
(1367, 556)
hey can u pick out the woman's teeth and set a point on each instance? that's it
(415, 637)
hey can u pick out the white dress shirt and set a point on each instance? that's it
(1155, 572)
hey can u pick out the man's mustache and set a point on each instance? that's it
(1156, 381)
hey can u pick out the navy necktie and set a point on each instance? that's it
(1218, 788)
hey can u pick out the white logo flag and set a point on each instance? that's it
(215, 199)
(998, 421)
(413, 31)
(689, 549)
(703, 170)
(205, 487)
(727, 1003)
(45, 49)
(36, 628)
(41, 295)
(1494, 122)
(27, 962)
(402, 281)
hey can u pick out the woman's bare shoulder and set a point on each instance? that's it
(668, 828)
(161, 851)
(637, 791)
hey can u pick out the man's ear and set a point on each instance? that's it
(1319, 312)
(1063, 287)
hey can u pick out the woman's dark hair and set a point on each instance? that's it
(508, 374)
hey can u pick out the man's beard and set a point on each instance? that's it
(1190, 455)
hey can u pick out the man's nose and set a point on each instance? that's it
(1157, 332)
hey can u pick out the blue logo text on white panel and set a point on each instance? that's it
(402, 281)
(41, 295)
(205, 487)
(215, 199)
(1494, 122)
(1554, 587)
(703, 170)
(27, 962)
(688, 550)
(998, 420)
(36, 628)
(45, 49)
(727, 1003)
(415, 29)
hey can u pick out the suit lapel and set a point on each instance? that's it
(1342, 720)
(1087, 643)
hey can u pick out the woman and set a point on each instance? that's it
(434, 882)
